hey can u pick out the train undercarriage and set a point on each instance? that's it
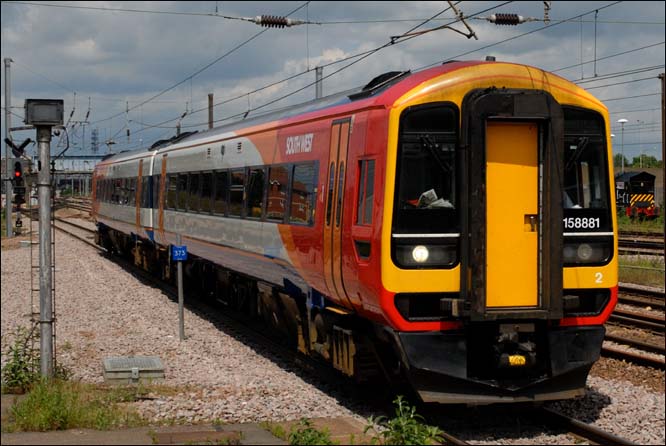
(480, 363)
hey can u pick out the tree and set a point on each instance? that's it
(617, 161)
(648, 161)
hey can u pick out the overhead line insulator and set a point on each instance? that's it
(271, 21)
(274, 21)
(506, 19)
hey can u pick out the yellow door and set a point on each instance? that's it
(512, 192)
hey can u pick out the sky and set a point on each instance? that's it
(147, 66)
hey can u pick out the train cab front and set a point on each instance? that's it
(502, 267)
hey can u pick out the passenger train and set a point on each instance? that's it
(452, 228)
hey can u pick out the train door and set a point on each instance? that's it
(337, 172)
(161, 198)
(139, 195)
(512, 147)
(512, 217)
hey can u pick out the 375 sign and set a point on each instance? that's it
(178, 253)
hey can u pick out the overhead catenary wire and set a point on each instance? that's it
(361, 56)
(318, 22)
(328, 64)
(199, 71)
(366, 54)
(618, 74)
(516, 37)
(609, 56)
(264, 20)
(656, 94)
(651, 78)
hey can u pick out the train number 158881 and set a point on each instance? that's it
(582, 223)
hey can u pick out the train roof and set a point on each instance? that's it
(631, 176)
(382, 90)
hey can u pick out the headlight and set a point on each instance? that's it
(584, 252)
(587, 252)
(411, 255)
(420, 254)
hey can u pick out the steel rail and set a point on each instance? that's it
(642, 360)
(645, 346)
(577, 427)
(638, 320)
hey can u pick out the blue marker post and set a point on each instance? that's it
(179, 254)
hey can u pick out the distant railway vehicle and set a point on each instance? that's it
(635, 193)
(454, 227)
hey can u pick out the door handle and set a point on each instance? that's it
(531, 221)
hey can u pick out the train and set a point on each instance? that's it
(635, 193)
(450, 230)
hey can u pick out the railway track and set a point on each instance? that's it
(632, 319)
(641, 243)
(580, 429)
(239, 328)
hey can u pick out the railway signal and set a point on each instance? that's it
(19, 184)
(18, 151)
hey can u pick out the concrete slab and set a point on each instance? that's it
(136, 436)
(344, 430)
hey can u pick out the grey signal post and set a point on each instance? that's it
(179, 254)
(44, 114)
(8, 124)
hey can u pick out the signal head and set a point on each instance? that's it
(18, 170)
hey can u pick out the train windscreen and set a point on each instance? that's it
(586, 198)
(426, 201)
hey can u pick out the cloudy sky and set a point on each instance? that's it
(142, 65)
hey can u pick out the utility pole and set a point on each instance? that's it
(8, 124)
(663, 151)
(319, 72)
(210, 110)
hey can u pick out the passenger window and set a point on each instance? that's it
(221, 189)
(132, 191)
(193, 193)
(181, 193)
(172, 192)
(331, 185)
(236, 192)
(156, 191)
(206, 192)
(276, 207)
(115, 197)
(255, 193)
(302, 194)
(341, 188)
(365, 192)
(145, 192)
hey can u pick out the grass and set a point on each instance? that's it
(625, 223)
(643, 270)
(60, 405)
(406, 427)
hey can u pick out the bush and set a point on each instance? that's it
(21, 369)
(306, 434)
(407, 427)
(58, 405)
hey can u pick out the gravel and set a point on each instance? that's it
(103, 310)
